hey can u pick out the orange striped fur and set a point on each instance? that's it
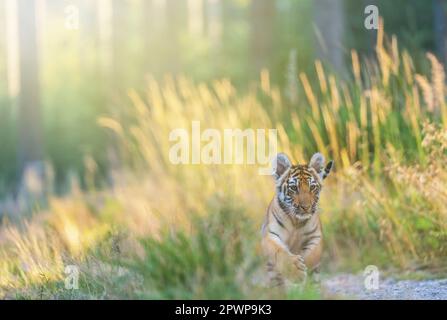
(292, 233)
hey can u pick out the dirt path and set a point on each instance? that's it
(347, 286)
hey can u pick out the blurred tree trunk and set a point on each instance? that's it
(329, 23)
(205, 5)
(29, 99)
(177, 22)
(29, 115)
(119, 43)
(372, 34)
(440, 29)
(12, 45)
(228, 14)
(89, 37)
(3, 49)
(195, 17)
(262, 20)
(104, 17)
(154, 24)
(147, 32)
(214, 24)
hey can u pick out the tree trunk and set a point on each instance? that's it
(262, 22)
(147, 26)
(372, 34)
(119, 37)
(29, 115)
(214, 24)
(29, 97)
(177, 22)
(89, 37)
(104, 18)
(3, 67)
(329, 23)
(440, 29)
(12, 45)
(195, 17)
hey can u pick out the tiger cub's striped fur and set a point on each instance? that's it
(292, 234)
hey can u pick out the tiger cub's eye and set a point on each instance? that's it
(293, 187)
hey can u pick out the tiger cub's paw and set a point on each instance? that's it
(298, 261)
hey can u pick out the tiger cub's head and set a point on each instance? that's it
(298, 186)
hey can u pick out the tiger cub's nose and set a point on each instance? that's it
(305, 207)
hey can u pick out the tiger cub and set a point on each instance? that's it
(291, 233)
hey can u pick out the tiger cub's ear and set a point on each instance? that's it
(280, 165)
(317, 162)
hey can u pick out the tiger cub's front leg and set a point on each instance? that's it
(280, 258)
(311, 256)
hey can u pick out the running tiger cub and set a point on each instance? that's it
(291, 233)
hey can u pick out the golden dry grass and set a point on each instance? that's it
(385, 204)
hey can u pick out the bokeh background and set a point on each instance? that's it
(90, 89)
(85, 55)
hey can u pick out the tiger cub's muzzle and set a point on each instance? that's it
(303, 203)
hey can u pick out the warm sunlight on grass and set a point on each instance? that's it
(386, 129)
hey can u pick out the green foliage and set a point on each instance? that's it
(215, 261)
(385, 206)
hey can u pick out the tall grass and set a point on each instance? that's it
(372, 125)
(165, 230)
(399, 220)
(215, 262)
(377, 112)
